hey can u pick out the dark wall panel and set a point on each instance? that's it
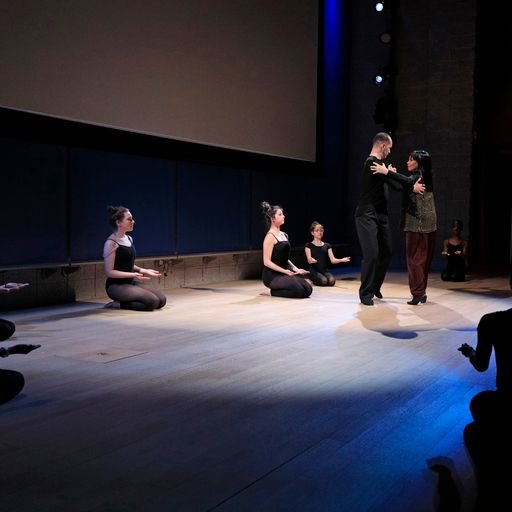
(33, 203)
(144, 185)
(294, 194)
(213, 209)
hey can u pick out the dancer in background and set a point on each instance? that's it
(125, 279)
(319, 255)
(280, 274)
(454, 250)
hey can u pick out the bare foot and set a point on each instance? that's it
(113, 305)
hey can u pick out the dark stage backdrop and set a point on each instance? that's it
(54, 209)
(254, 75)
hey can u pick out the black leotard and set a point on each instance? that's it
(321, 254)
(124, 261)
(280, 256)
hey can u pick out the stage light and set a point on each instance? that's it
(385, 38)
(384, 74)
(379, 6)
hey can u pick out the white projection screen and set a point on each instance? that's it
(236, 74)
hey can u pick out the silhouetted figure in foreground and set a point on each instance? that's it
(487, 438)
(448, 495)
(11, 382)
(7, 328)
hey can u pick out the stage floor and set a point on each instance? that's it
(231, 400)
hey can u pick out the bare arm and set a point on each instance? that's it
(309, 258)
(335, 260)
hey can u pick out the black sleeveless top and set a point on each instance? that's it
(280, 256)
(125, 259)
(281, 253)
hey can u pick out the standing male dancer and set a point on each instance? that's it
(371, 218)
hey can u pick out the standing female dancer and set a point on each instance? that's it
(279, 274)
(419, 220)
(319, 254)
(124, 278)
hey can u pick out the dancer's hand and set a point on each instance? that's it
(11, 287)
(141, 277)
(418, 188)
(152, 272)
(22, 349)
(467, 350)
(379, 168)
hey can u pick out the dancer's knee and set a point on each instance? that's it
(7, 329)
(11, 383)
(307, 289)
(162, 301)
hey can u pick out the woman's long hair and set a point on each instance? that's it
(424, 167)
